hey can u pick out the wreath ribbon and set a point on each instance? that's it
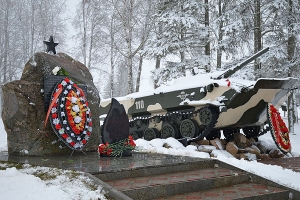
(55, 97)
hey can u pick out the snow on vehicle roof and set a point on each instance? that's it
(194, 81)
(187, 82)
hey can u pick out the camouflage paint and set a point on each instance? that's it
(237, 108)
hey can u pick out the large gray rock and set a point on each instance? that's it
(23, 110)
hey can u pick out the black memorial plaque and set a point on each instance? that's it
(116, 124)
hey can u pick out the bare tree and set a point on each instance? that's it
(87, 23)
(220, 21)
(147, 24)
(129, 19)
(25, 25)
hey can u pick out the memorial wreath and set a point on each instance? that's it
(279, 131)
(69, 113)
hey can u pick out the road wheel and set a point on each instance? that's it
(150, 134)
(169, 130)
(188, 128)
(205, 115)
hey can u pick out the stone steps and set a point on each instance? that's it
(207, 179)
(243, 191)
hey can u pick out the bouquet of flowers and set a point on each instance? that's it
(59, 71)
(117, 148)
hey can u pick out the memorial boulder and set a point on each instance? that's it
(24, 109)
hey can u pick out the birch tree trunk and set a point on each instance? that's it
(158, 57)
(128, 28)
(257, 32)
(112, 56)
(206, 24)
(157, 65)
(84, 31)
(291, 52)
(91, 46)
(32, 27)
(6, 41)
(220, 34)
(138, 79)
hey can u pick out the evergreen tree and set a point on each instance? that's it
(182, 33)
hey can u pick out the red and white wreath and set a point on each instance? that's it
(70, 115)
(279, 131)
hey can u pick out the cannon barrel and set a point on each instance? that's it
(234, 69)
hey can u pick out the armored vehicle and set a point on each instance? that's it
(201, 106)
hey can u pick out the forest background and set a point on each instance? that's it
(114, 38)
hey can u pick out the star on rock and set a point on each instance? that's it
(50, 45)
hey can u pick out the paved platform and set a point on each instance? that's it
(91, 162)
(288, 163)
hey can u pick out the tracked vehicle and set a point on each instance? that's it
(209, 104)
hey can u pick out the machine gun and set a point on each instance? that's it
(234, 69)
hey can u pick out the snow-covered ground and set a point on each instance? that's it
(46, 183)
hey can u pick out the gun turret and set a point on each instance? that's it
(234, 69)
